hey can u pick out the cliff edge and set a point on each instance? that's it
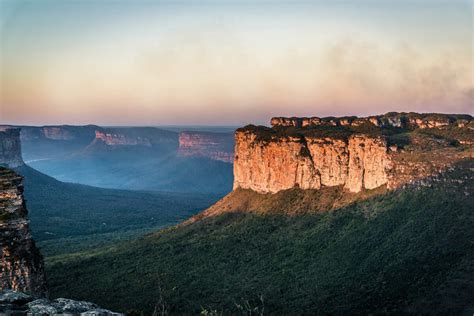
(307, 165)
(10, 147)
(21, 264)
(356, 153)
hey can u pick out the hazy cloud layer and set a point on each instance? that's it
(234, 68)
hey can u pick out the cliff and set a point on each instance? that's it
(355, 153)
(393, 119)
(114, 139)
(21, 264)
(137, 136)
(10, 148)
(309, 162)
(215, 146)
(83, 134)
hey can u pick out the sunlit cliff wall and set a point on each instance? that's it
(351, 152)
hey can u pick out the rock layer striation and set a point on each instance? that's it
(21, 264)
(355, 153)
(215, 146)
(360, 162)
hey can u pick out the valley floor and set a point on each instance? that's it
(407, 251)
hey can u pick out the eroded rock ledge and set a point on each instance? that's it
(355, 153)
(393, 119)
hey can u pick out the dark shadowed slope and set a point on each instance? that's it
(66, 217)
(407, 251)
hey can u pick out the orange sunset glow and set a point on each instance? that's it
(131, 63)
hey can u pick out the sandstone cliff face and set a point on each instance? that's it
(354, 153)
(114, 139)
(10, 148)
(215, 146)
(269, 166)
(149, 137)
(21, 264)
(369, 163)
(398, 120)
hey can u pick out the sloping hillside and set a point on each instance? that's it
(407, 251)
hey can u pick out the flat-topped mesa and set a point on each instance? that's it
(114, 139)
(58, 133)
(392, 119)
(354, 153)
(215, 146)
(10, 148)
(21, 264)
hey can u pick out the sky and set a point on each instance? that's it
(136, 62)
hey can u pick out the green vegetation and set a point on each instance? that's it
(68, 217)
(406, 252)
(450, 133)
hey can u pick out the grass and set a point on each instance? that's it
(405, 252)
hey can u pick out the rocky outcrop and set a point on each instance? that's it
(18, 303)
(10, 148)
(393, 119)
(273, 166)
(215, 146)
(309, 162)
(21, 264)
(355, 153)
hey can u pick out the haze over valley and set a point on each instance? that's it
(236, 158)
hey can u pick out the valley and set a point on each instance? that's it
(71, 217)
(67, 218)
(330, 218)
(409, 251)
(132, 158)
(221, 158)
(326, 216)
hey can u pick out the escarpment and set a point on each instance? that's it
(21, 264)
(309, 162)
(137, 136)
(114, 139)
(10, 148)
(393, 119)
(215, 146)
(356, 153)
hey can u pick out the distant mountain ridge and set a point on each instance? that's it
(137, 158)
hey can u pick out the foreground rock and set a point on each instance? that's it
(21, 264)
(17, 303)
